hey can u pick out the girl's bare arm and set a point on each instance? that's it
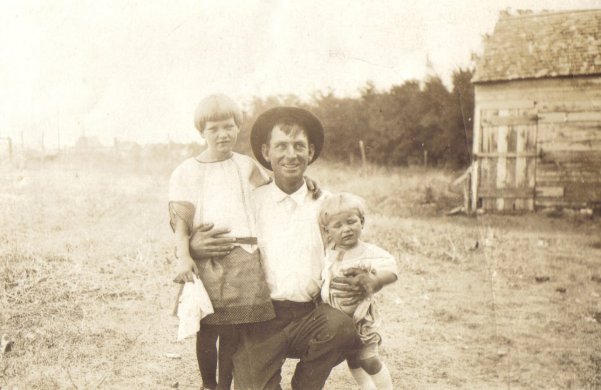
(186, 266)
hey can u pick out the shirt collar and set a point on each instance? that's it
(355, 252)
(298, 196)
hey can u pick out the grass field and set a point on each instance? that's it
(482, 302)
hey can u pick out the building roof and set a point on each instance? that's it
(541, 45)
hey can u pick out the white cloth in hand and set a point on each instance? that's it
(194, 305)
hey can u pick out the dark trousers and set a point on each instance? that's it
(206, 354)
(319, 336)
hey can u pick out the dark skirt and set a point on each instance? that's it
(237, 287)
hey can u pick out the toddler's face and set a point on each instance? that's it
(345, 229)
(221, 135)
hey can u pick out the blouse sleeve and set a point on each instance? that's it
(181, 197)
(180, 184)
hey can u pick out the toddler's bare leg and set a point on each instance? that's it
(362, 378)
(378, 371)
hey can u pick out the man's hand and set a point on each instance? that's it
(313, 187)
(206, 242)
(355, 285)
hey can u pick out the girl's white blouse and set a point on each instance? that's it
(220, 192)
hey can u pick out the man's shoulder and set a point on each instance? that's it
(261, 193)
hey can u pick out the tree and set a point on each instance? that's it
(463, 100)
(397, 126)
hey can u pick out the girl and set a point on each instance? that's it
(215, 188)
(341, 219)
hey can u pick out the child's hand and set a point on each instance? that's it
(187, 270)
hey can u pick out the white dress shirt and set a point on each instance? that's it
(290, 241)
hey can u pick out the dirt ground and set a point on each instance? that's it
(482, 302)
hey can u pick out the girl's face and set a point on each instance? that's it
(345, 229)
(220, 136)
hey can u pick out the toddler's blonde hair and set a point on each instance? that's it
(339, 203)
(217, 107)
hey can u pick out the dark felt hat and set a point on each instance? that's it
(265, 122)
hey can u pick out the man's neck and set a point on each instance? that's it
(289, 187)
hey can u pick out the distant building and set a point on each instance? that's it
(537, 122)
(88, 142)
(126, 148)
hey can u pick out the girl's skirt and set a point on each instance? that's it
(237, 287)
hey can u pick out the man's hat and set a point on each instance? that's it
(265, 122)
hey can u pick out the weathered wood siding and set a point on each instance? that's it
(507, 159)
(566, 170)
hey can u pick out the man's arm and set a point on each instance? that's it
(206, 242)
(313, 187)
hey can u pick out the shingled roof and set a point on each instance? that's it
(542, 45)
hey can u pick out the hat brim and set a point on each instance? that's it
(265, 122)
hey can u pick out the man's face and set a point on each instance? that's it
(289, 154)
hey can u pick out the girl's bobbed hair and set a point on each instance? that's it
(338, 203)
(216, 107)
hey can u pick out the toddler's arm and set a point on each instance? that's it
(374, 281)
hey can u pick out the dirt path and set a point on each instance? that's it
(86, 293)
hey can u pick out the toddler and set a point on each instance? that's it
(341, 219)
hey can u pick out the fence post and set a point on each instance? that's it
(22, 154)
(43, 157)
(363, 158)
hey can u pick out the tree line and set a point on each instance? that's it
(405, 125)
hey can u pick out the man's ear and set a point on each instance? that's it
(311, 151)
(362, 221)
(265, 152)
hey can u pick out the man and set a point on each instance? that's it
(286, 140)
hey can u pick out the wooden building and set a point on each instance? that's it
(537, 120)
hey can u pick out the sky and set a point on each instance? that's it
(136, 69)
